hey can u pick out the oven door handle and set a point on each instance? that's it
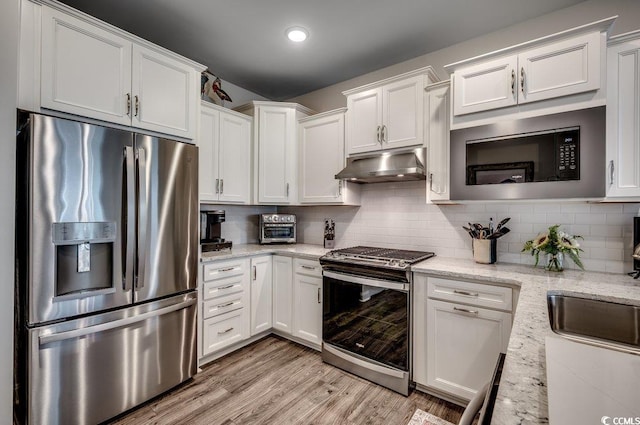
(396, 286)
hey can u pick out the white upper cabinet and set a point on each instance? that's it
(437, 113)
(275, 150)
(86, 70)
(623, 116)
(321, 145)
(487, 85)
(92, 69)
(556, 73)
(165, 93)
(560, 68)
(225, 155)
(387, 114)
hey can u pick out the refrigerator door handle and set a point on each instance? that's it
(76, 333)
(130, 210)
(143, 211)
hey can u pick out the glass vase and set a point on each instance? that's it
(555, 262)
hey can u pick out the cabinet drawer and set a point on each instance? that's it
(222, 287)
(218, 306)
(307, 267)
(222, 331)
(491, 296)
(224, 269)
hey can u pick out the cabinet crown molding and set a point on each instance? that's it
(213, 106)
(603, 25)
(623, 38)
(323, 114)
(118, 31)
(255, 103)
(427, 70)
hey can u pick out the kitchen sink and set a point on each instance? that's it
(600, 321)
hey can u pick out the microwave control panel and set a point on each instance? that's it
(568, 155)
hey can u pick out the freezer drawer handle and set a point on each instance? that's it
(76, 333)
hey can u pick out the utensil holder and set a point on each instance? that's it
(484, 250)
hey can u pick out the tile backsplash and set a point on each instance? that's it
(241, 222)
(397, 215)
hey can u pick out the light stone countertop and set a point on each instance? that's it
(522, 395)
(311, 252)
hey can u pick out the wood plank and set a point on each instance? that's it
(276, 381)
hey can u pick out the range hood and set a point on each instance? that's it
(386, 167)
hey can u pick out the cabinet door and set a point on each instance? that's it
(234, 158)
(560, 69)
(438, 143)
(463, 344)
(260, 294)
(307, 309)
(208, 142)
(485, 86)
(321, 158)
(623, 120)
(276, 153)
(165, 93)
(282, 293)
(402, 113)
(86, 70)
(364, 121)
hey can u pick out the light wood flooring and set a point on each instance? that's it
(275, 381)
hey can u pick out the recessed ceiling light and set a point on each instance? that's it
(297, 34)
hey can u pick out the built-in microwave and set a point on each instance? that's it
(552, 156)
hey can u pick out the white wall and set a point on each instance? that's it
(9, 19)
(582, 13)
(396, 215)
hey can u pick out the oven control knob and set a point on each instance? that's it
(393, 263)
(274, 218)
(402, 263)
(289, 218)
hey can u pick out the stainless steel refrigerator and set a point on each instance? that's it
(106, 248)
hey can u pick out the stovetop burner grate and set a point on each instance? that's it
(384, 253)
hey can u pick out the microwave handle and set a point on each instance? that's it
(611, 172)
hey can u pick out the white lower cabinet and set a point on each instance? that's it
(261, 294)
(224, 304)
(457, 340)
(283, 294)
(307, 308)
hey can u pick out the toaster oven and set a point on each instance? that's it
(277, 228)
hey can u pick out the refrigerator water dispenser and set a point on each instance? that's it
(84, 256)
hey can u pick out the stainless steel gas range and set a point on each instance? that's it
(366, 325)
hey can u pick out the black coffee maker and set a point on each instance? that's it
(636, 248)
(211, 231)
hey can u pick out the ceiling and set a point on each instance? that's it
(243, 41)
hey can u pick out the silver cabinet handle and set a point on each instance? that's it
(470, 294)
(307, 267)
(464, 310)
(226, 331)
(221, 185)
(217, 185)
(287, 189)
(611, 172)
(513, 81)
(522, 79)
(228, 269)
(339, 188)
(255, 273)
(128, 103)
(224, 305)
(225, 287)
(383, 134)
(137, 103)
(378, 135)
(319, 296)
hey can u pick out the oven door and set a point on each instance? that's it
(367, 317)
(278, 233)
